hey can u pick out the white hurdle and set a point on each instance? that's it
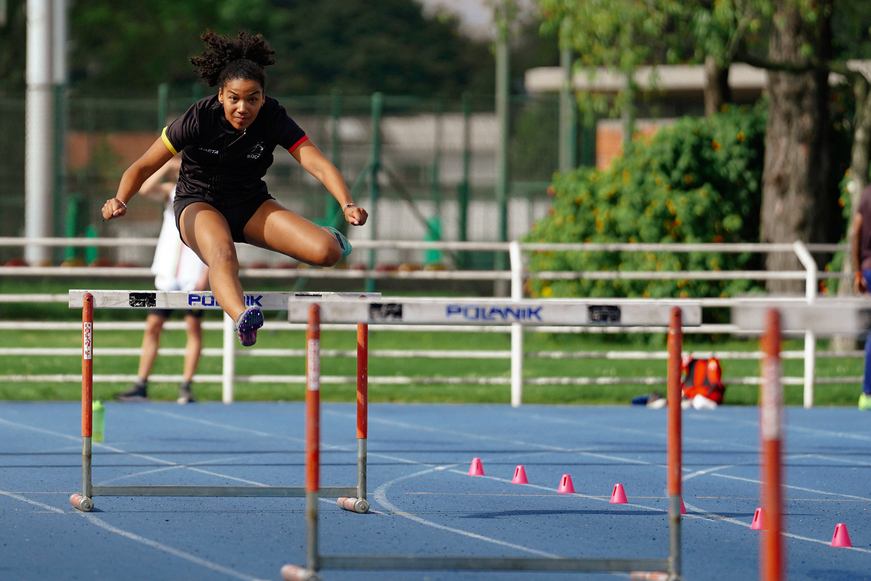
(773, 318)
(667, 315)
(267, 301)
(351, 497)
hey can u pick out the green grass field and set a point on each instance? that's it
(380, 367)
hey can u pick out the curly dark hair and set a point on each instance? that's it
(230, 58)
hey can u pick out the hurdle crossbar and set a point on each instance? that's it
(823, 316)
(148, 299)
(668, 568)
(774, 318)
(352, 498)
(475, 311)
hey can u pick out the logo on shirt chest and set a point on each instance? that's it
(256, 151)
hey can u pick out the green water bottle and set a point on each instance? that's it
(99, 421)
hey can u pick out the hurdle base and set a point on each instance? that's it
(413, 562)
(297, 573)
(82, 503)
(651, 576)
(219, 491)
(358, 505)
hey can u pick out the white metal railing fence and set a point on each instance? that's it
(517, 275)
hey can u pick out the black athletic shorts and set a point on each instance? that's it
(237, 215)
(165, 313)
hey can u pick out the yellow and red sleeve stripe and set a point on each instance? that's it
(293, 147)
(167, 142)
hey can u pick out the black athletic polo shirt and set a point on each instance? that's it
(220, 164)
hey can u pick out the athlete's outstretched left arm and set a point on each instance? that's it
(314, 162)
(143, 168)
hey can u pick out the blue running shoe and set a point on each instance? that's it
(343, 242)
(247, 324)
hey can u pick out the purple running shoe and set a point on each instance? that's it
(247, 324)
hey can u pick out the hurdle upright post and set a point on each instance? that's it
(228, 368)
(312, 433)
(771, 558)
(675, 463)
(83, 501)
(312, 450)
(362, 504)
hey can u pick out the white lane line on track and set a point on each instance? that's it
(795, 428)
(168, 463)
(700, 513)
(139, 539)
(567, 495)
(40, 430)
(170, 468)
(223, 427)
(167, 549)
(132, 536)
(380, 495)
(708, 472)
(713, 517)
(793, 487)
(33, 502)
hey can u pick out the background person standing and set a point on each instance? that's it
(861, 243)
(176, 267)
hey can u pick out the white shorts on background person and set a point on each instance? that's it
(176, 267)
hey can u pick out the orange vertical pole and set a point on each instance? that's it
(771, 558)
(87, 364)
(675, 462)
(362, 381)
(312, 432)
(362, 415)
(83, 501)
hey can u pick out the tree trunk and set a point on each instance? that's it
(717, 91)
(799, 201)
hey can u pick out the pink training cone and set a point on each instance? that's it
(565, 485)
(619, 495)
(476, 469)
(519, 476)
(841, 538)
(683, 508)
(756, 525)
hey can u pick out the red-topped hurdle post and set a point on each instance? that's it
(312, 433)
(352, 498)
(83, 501)
(360, 504)
(771, 558)
(481, 311)
(675, 462)
(772, 318)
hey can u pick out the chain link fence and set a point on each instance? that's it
(435, 161)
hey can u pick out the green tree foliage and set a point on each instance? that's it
(132, 45)
(698, 180)
(361, 47)
(355, 46)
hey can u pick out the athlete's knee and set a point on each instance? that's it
(328, 255)
(223, 255)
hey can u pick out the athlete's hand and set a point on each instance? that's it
(859, 284)
(355, 215)
(113, 208)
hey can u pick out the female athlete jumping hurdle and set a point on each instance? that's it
(226, 143)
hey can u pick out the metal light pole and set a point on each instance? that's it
(39, 130)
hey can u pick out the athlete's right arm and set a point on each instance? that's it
(151, 161)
